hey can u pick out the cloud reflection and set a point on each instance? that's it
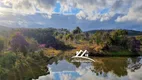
(67, 71)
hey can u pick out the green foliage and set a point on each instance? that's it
(1, 44)
(7, 60)
(115, 35)
(86, 35)
(19, 43)
(22, 67)
(55, 33)
(139, 38)
(77, 30)
(79, 37)
(121, 53)
(60, 36)
(97, 37)
(3, 73)
(69, 36)
(119, 37)
(50, 37)
(33, 45)
(102, 38)
(133, 45)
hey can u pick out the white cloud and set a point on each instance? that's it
(20, 6)
(134, 13)
(84, 72)
(81, 15)
(28, 7)
(89, 75)
(89, 9)
(135, 75)
(64, 21)
(46, 6)
(66, 77)
(121, 6)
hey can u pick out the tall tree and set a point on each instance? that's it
(133, 44)
(18, 43)
(77, 30)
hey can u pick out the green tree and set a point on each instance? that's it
(60, 36)
(19, 44)
(139, 38)
(69, 36)
(133, 44)
(77, 30)
(97, 37)
(119, 37)
(1, 44)
(33, 45)
(102, 38)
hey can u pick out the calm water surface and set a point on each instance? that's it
(105, 68)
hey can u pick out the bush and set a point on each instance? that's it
(69, 37)
(102, 38)
(1, 44)
(33, 45)
(77, 30)
(7, 60)
(139, 38)
(133, 44)
(118, 36)
(19, 44)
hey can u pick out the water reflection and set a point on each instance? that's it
(134, 65)
(117, 65)
(27, 72)
(106, 68)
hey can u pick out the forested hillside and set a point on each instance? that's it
(130, 32)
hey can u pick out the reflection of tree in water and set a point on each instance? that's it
(55, 59)
(26, 70)
(134, 63)
(61, 57)
(117, 65)
(20, 67)
(77, 64)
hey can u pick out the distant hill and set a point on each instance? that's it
(4, 31)
(130, 32)
(3, 28)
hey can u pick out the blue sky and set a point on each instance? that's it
(88, 14)
(57, 7)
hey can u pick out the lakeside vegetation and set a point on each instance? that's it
(25, 47)
(98, 42)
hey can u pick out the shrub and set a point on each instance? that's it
(1, 44)
(7, 60)
(33, 45)
(77, 30)
(18, 43)
(133, 44)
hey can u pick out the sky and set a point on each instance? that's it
(87, 14)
